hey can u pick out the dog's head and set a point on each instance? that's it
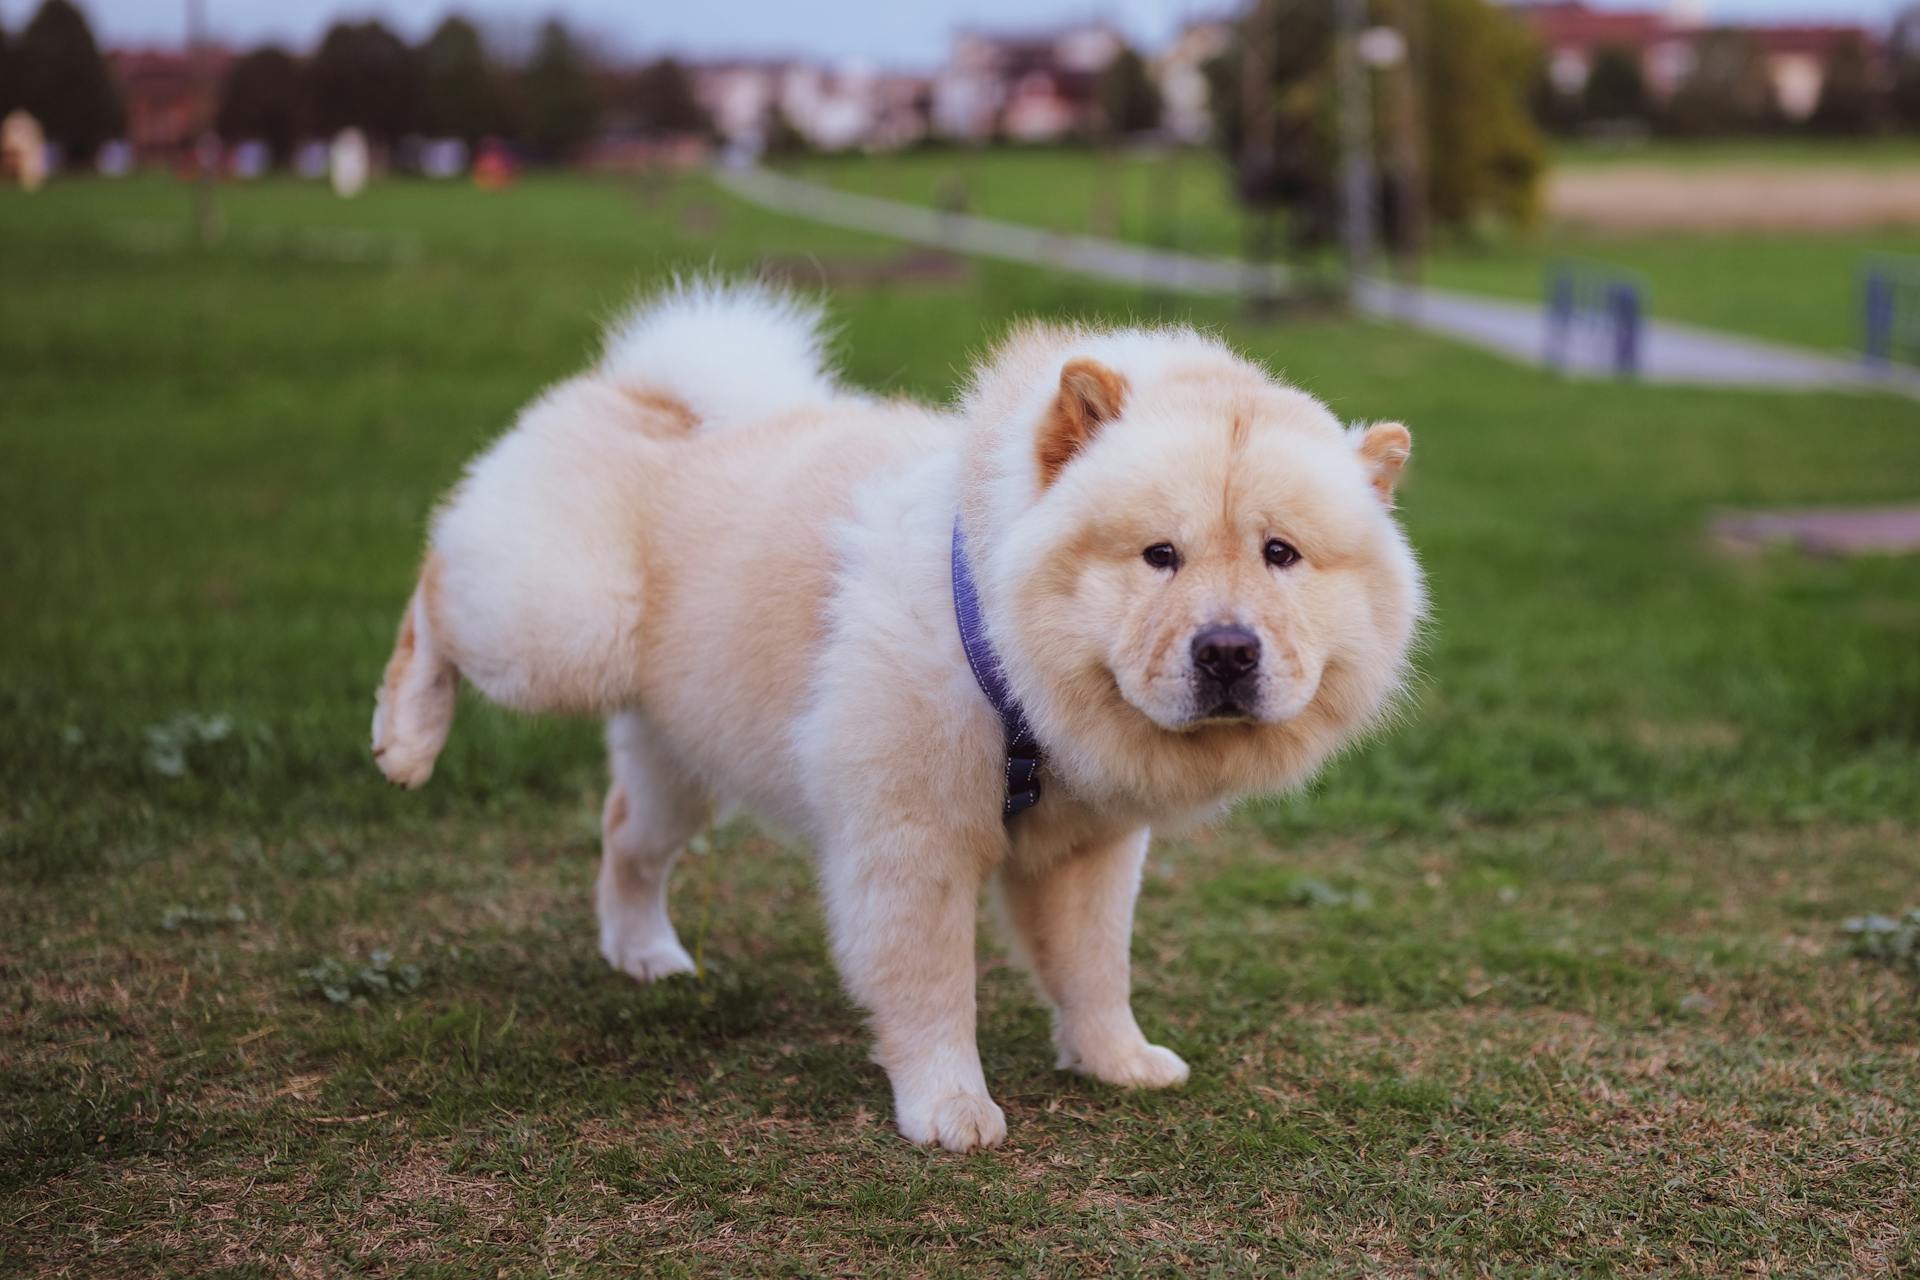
(1196, 574)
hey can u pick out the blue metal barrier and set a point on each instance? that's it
(1890, 311)
(1596, 317)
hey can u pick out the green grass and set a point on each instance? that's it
(1176, 199)
(1799, 288)
(1550, 979)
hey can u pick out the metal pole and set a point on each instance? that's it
(206, 213)
(1356, 140)
(1258, 148)
(1409, 168)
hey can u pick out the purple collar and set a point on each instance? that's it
(1023, 749)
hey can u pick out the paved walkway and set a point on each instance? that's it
(1671, 353)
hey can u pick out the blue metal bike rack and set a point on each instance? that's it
(1596, 318)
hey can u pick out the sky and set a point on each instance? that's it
(904, 34)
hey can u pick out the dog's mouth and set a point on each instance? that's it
(1209, 708)
(1226, 711)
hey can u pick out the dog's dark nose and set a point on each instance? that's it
(1226, 653)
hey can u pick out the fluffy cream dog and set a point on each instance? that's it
(1187, 575)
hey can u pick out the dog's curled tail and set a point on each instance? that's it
(732, 352)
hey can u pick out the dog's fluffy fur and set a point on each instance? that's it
(745, 568)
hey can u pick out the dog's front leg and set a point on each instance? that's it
(901, 909)
(1073, 920)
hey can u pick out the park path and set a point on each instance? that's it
(1671, 353)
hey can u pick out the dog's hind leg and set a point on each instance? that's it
(532, 587)
(413, 708)
(652, 810)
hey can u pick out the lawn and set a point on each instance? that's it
(1550, 978)
(1796, 288)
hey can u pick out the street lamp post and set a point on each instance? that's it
(206, 213)
(1356, 140)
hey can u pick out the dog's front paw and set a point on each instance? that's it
(649, 961)
(1137, 1066)
(958, 1122)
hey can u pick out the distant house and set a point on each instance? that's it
(169, 98)
(1797, 60)
(1030, 88)
(1572, 33)
(1186, 106)
(832, 108)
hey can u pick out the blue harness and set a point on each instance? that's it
(1023, 749)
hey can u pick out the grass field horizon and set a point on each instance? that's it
(1549, 978)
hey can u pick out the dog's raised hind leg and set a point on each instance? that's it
(413, 708)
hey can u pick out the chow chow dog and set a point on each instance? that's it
(1128, 579)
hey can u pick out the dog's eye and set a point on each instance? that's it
(1161, 555)
(1282, 554)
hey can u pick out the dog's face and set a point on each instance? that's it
(1215, 593)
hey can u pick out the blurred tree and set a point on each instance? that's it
(462, 94)
(1129, 100)
(261, 99)
(1277, 113)
(1552, 108)
(1274, 114)
(781, 138)
(1729, 91)
(364, 76)
(57, 73)
(561, 101)
(1903, 50)
(1851, 100)
(1615, 88)
(6, 76)
(1484, 155)
(661, 96)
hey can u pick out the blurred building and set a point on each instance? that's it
(832, 108)
(169, 97)
(1180, 73)
(1573, 33)
(1029, 88)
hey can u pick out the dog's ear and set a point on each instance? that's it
(1385, 449)
(1090, 395)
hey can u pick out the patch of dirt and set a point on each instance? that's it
(909, 266)
(1656, 197)
(1832, 532)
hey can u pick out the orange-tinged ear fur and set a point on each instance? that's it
(1090, 394)
(1386, 447)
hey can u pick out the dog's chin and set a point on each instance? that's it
(1225, 713)
(1190, 716)
(1201, 714)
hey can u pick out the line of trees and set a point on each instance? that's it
(54, 70)
(451, 85)
(1730, 92)
(361, 75)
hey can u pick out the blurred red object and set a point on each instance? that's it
(494, 167)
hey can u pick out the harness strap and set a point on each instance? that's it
(1023, 748)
